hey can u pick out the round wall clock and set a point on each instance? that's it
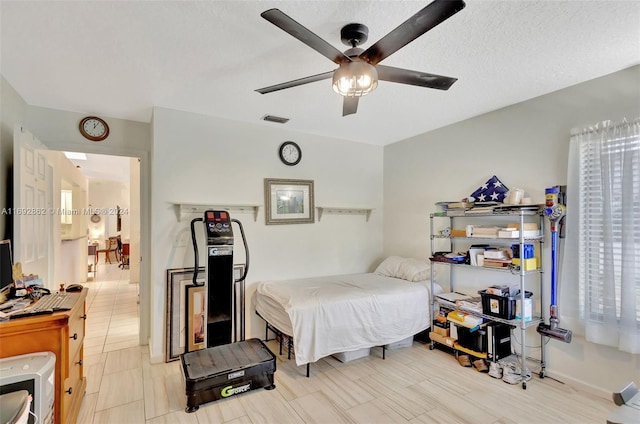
(94, 128)
(95, 218)
(290, 153)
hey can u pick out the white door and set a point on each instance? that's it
(33, 205)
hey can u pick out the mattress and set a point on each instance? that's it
(342, 313)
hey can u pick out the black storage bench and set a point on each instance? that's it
(222, 371)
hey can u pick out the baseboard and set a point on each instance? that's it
(579, 384)
(155, 359)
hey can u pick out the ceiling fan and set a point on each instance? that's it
(359, 70)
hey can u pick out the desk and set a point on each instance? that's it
(63, 334)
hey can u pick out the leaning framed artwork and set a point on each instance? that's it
(179, 290)
(288, 201)
(196, 318)
(178, 279)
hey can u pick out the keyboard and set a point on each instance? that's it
(47, 304)
(56, 302)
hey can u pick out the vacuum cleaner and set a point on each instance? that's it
(554, 211)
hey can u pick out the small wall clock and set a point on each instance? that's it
(94, 128)
(290, 153)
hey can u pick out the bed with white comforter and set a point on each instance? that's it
(342, 313)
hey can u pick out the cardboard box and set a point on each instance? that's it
(447, 341)
(444, 332)
(529, 264)
(528, 309)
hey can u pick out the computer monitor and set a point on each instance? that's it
(6, 265)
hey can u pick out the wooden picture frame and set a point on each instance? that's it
(196, 334)
(289, 201)
(177, 281)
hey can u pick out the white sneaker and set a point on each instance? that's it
(495, 370)
(512, 374)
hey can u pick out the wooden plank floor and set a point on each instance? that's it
(412, 385)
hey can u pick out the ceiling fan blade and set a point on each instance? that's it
(287, 24)
(421, 79)
(427, 18)
(295, 83)
(349, 105)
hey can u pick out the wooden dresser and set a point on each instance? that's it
(63, 334)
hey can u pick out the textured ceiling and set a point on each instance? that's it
(119, 59)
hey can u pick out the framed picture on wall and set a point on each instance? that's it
(288, 201)
(196, 318)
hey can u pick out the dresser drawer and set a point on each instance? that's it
(72, 384)
(76, 333)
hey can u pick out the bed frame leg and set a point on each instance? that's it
(384, 351)
(266, 331)
(289, 343)
(280, 344)
(307, 370)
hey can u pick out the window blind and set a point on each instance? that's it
(609, 219)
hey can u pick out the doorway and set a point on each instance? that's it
(113, 199)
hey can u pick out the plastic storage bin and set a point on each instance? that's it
(474, 340)
(500, 306)
(353, 355)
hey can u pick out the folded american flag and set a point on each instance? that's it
(491, 191)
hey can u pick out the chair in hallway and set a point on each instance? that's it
(111, 245)
(92, 253)
(124, 256)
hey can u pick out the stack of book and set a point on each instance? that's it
(453, 208)
(462, 208)
(482, 208)
(464, 319)
(531, 230)
(498, 258)
(482, 231)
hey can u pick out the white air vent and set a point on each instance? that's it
(277, 119)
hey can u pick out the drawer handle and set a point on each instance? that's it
(74, 337)
(83, 316)
(79, 362)
(69, 391)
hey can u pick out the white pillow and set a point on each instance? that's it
(389, 267)
(414, 270)
(409, 269)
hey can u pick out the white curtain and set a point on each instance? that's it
(601, 261)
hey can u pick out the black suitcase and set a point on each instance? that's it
(222, 371)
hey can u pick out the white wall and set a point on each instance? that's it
(70, 244)
(200, 159)
(525, 145)
(106, 195)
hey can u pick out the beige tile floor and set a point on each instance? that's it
(412, 385)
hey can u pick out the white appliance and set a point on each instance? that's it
(35, 373)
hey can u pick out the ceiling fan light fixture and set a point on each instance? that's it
(355, 79)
